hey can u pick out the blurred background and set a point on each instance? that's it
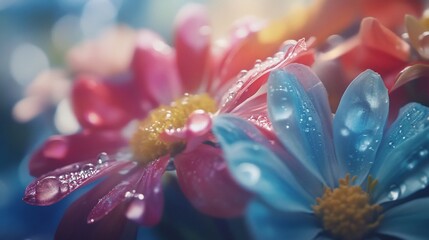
(35, 36)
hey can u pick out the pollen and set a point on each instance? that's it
(346, 211)
(146, 143)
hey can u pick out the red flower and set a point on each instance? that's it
(174, 93)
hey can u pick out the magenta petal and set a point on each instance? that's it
(115, 226)
(102, 104)
(59, 151)
(192, 41)
(115, 196)
(154, 69)
(249, 83)
(54, 186)
(206, 182)
(147, 199)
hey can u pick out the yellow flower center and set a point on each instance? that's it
(346, 211)
(146, 143)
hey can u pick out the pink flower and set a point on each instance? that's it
(174, 94)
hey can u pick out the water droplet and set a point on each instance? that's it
(249, 173)
(424, 180)
(363, 143)
(47, 189)
(423, 153)
(394, 193)
(133, 194)
(102, 158)
(91, 220)
(344, 132)
(242, 73)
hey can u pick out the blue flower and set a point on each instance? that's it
(348, 176)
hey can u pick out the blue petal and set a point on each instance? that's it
(318, 95)
(409, 220)
(231, 131)
(258, 170)
(298, 124)
(402, 166)
(359, 123)
(268, 224)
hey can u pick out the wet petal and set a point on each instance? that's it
(402, 166)
(103, 104)
(230, 129)
(249, 83)
(192, 41)
(269, 224)
(154, 69)
(54, 186)
(298, 124)
(407, 221)
(147, 198)
(74, 223)
(114, 197)
(259, 170)
(206, 182)
(359, 123)
(59, 151)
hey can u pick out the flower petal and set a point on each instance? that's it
(298, 124)
(114, 197)
(154, 69)
(74, 223)
(59, 151)
(230, 129)
(248, 83)
(101, 104)
(55, 185)
(269, 224)
(402, 166)
(204, 179)
(259, 170)
(254, 166)
(148, 199)
(192, 41)
(407, 221)
(359, 123)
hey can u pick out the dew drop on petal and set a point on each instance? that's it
(394, 192)
(47, 188)
(102, 158)
(249, 173)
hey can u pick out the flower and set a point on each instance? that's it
(173, 94)
(400, 62)
(342, 177)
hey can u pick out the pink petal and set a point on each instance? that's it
(115, 226)
(154, 69)
(102, 104)
(55, 185)
(148, 200)
(206, 182)
(249, 82)
(115, 197)
(59, 151)
(192, 41)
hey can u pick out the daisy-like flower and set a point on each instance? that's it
(173, 94)
(341, 177)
